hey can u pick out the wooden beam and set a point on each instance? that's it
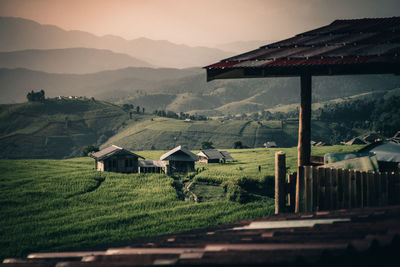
(304, 146)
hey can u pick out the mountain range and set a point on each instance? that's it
(23, 34)
(67, 63)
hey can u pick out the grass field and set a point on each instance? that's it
(50, 205)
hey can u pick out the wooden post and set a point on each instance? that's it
(321, 189)
(292, 191)
(280, 174)
(300, 190)
(335, 179)
(340, 189)
(315, 189)
(359, 190)
(304, 145)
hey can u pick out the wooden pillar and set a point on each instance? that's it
(304, 145)
(280, 174)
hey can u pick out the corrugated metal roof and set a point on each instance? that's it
(374, 43)
(110, 151)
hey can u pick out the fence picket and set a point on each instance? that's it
(314, 189)
(359, 190)
(322, 190)
(340, 189)
(334, 179)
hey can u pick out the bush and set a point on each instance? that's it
(89, 149)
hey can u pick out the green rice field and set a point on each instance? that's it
(53, 205)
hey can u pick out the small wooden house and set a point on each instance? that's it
(180, 160)
(270, 144)
(152, 166)
(213, 156)
(116, 159)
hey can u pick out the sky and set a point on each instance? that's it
(196, 22)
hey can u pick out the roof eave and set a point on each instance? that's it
(295, 71)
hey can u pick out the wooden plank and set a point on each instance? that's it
(306, 185)
(364, 182)
(300, 190)
(280, 174)
(315, 190)
(370, 178)
(322, 192)
(396, 183)
(384, 177)
(359, 198)
(335, 178)
(292, 191)
(378, 189)
(328, 188)
(346, 189)
(304, 142)
(391, 189)
(353, 189)
(340, 189)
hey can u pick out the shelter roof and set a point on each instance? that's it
(367, 237)
(214, 154)
(384, 151)
(358, 46)
(152, 163)
(179, 154)
(110, 151)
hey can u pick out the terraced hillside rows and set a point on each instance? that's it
(165, 133)
(56, 128)
(52, 205)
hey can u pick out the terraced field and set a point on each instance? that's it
(50, 205)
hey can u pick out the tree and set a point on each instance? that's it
(237, 144)
(207, 145)
(36, 96)
(89, 149)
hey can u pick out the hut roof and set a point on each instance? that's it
(152, 163)
(352, 46)
(384, 151)
(355, 141)
(179, 154)
(226, 155)
(110, 151)
(214, 154)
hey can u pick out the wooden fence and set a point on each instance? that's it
(316, 188)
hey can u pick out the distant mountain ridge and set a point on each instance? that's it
(184, 90)
(69, 60)
(23, 34)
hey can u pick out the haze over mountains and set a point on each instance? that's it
(23, 34)
(63, 63)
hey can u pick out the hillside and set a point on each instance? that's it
(23, 34)
(185, 90)
(69, 60)
(56, 129)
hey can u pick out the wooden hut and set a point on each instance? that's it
(213, 156)
(180, 160)
(152, 166)
(116, 159)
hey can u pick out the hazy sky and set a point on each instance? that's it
(196, 22)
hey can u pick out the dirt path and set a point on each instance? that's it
(193, 194)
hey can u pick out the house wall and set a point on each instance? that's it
(203, 159)
(124, 163)
(182, 166)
